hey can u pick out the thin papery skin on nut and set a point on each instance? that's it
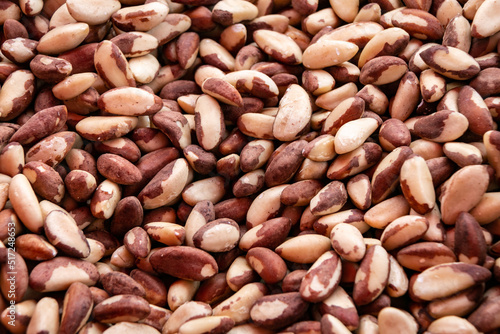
(250, 167)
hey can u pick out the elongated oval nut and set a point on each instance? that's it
(61, 230)
(453, 323)
(265, 206)
(77, 307)
(359, 33)
(294, 249)
(43, 123)
(322, 278)
(463, 154)
(207, 324)
(228, 12)
(416, 183)
(483, 318)
(184, 313)
(392, 320)
(279, 46)
(328, 52)
(397, 284)
(184, 262)
(388, 42)
(459, 276)
(209, 122)
(101, 128)
(470, 244)
(330, 199)
(269, 265)
(451, 62)
(216, 55)
(220, 235)
(372, 275)
(222, 91)
(135, 43)
(167, 184)
(269, 234)
(484, 25)
(418, 23)
(294, 114)
(122, 308)
(403, 231)
(25, 203)
(348, 242)
(93, 12)
(112, 66)
(63, 38)
(105, 199)
(441, 126)
(277, 311)
(423, 255)
(365, 156)
(382, 70)
(59, 273)
(349, 109)
(129, 101)
(284, 165)
(253, 82)
(16, 94)
(140, 18)
(45, 316)
(238, 306)
(353, 134)
(472, 180)
(118, 169)
(472, 106)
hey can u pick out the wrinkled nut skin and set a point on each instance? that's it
(118, 169)
(121, 308)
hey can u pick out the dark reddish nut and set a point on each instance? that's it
(470, 244)
(184, 262)
(118, 169)
(269, 265)
(117, 283)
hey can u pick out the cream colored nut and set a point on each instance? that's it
(451, 323)
(484, 25)
(458, 33)
(462, 154)
(423, 255)
(353, 134)
(180, 292)
(141, 17)
(294, 114)
(407, 97)
(486, 210)
(63, 38)
(16, 94)
(382, 70)
(349, 109)
(348, 242)
(35, 247)
(74, 85)
(175, 126)
(167, 185)
(397, 284)
(392, 320)
(470, 179)
(209, 122)
(256, 125)
(220, 235)
(129, 101)
(135, 43)
(354, 217)
(228, 12)
(441, 126)
(216, 55)
(186, 312)
(265, 206)
(52, 149)
(169, 234)
(144, 68)
(279, 46)
(294, 249)
(432, 85)
(103, 128)
(417, 186)
(328, 52)
(105, 199)
(403, 231)
(314, 22)
(450, 62)
(25, 203)
(45, 316)
(387, 42)
(460, 276)
(112, 66)
(255, 154)
(94, 12)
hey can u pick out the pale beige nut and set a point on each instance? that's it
(45, 316)
(483, 24)
(294, 249)
(16, 94)
(459, 275)
(186, 312)
(140, 18)
(105, 127)
(112, 66)
(328, 52)
(63, 38)
(392, 320)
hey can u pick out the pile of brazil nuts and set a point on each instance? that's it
(261, 166)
